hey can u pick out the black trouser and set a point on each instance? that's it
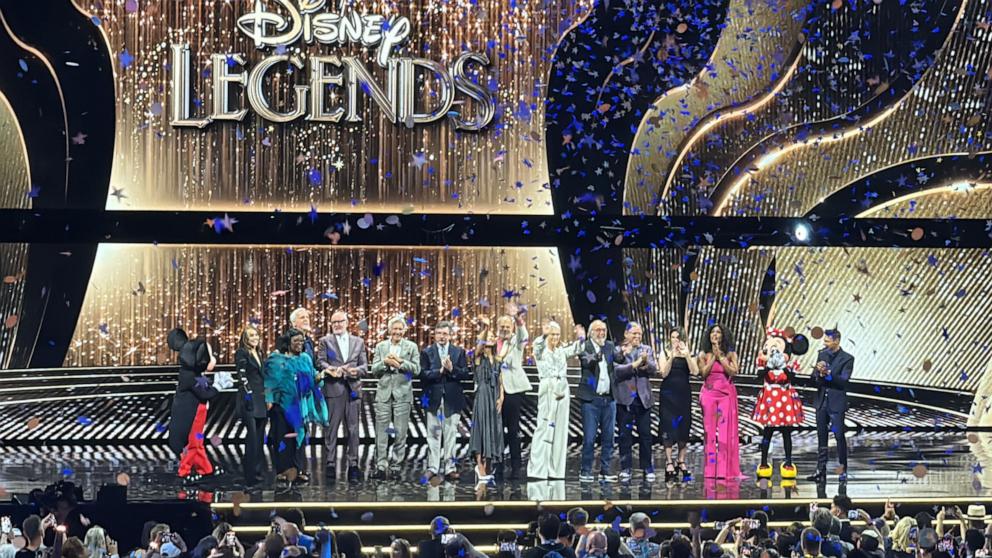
(284, 451)
(512, 404)
(834, 421)
(254, 441)
(766, 442)
(630, 417)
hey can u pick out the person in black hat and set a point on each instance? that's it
(189, 407)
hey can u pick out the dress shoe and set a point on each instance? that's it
(354, 475)
(818, 477)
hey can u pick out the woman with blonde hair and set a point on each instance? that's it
(904, 536)
(486, 441)
(548, 451)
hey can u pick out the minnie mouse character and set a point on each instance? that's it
(189, 407)
(779, 407)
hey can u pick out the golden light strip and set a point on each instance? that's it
(953, 187)
(590, 504)
(769, 159)
(722, 118)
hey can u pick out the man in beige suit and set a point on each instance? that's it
(342, 361)
(395, 361)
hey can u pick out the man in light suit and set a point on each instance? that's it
(830, 375)
(443, 367)
(634, 365)
(395, 361)
(342, 361)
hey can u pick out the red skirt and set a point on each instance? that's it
(778, 405)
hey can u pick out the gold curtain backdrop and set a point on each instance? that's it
(373, 166)
(15, 187)
(138, 293)
(910, 316)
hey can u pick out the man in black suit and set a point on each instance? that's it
(443, 368)
(599, 407)
(830, 375)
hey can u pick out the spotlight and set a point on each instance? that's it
(802, 232)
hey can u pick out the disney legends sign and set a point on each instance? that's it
(309, 23)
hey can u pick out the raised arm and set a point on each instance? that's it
(410, 363)
(521, 336)
(665, 364)
(730, 364)
(705, 364)
(838, 379)
(427, 372)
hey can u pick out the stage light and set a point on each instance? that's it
(802, 232)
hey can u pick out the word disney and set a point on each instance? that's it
(309, 23)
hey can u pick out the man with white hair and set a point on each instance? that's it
(599, 407)
(342, 361)
(395, 361)
(635, 366)
(300, 319)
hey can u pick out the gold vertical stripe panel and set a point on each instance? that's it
(375, 165)
(726, 288)
(944, 113)
(753, 48)
(958, 200)
(910, 316)
(651, 293)
(137, 293)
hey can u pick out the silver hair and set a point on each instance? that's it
(296, 314)
(397, 318)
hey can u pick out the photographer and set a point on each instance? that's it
(434, 547)
(843, 509)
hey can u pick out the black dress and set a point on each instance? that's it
(676, 404)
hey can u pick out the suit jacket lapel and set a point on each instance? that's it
(336, 349)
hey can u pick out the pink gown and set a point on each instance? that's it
(718, 399)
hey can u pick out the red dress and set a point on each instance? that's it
(778, 403)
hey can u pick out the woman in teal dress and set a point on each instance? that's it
(293, 399)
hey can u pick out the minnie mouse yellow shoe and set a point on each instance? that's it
(764, 471)
(788, 471)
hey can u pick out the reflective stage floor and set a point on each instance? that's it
(894, 464)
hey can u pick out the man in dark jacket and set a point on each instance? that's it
(595, 393)
(443, 368)
(831, 374)
(547, 529)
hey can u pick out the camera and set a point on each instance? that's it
(230, 538)
(5, 526)
(853, 514)
(507, 547)
(447, 538)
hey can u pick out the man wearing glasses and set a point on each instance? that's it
(342, 361)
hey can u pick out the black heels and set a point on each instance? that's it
(670, 472)
(686, 475)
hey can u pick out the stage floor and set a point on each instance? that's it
(900, 465)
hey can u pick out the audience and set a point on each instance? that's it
(842, 531)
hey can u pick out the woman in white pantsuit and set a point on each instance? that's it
(550, 443)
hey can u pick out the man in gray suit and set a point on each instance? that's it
(395, 362)
(634, 365)
(342, 361)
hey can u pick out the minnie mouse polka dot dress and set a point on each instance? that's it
(779, 404)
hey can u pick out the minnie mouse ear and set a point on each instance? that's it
(800, 344)
(177, 338)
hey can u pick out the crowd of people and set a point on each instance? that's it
(304, 384)
(838, 531)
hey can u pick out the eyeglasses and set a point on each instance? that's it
(338, 322)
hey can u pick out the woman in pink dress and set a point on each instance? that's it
(718, 365)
